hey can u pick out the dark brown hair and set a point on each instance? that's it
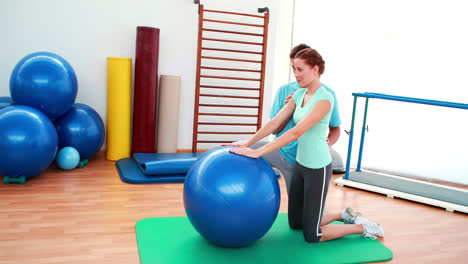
(312, 58)
(296, 49)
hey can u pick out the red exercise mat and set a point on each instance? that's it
(146, 90)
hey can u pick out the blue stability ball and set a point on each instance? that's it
(28, 141)
(5, 101)
(44, 81)
(231, 200)
(81, 128)
(68, 158)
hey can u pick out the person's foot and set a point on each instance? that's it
(349, 215)
(371, 229)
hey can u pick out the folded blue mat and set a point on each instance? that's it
(158, 167)
(166, 163)
(131, 172)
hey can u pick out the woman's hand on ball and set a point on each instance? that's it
(248, 152)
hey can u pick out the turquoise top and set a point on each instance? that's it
(313, 151)
(289, 151)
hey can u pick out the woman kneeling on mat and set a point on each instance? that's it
(311, 109)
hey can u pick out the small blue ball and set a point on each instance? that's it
(68, 158)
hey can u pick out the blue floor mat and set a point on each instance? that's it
(131, 172)
(137, 170)
(166, 163)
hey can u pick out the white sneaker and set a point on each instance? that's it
(371, 229)
(349, 215)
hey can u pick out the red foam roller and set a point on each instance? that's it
(146, 90)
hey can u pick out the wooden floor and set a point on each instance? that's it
(88, 216)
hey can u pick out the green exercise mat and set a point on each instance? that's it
(173, 240)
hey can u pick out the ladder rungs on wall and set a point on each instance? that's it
(230, 76)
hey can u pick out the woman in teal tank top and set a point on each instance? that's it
(310, 108)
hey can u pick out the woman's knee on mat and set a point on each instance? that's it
(295, 225)
(312, 238)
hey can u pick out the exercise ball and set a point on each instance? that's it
(28, 141)
(81, 128)
(68, 158)
(231, 200)
(6, 101)
(337, 162)
(44, 81)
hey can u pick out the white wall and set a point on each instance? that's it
(283, 44)
(407, 48)
(86, 32)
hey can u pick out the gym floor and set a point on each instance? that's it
(88, 216)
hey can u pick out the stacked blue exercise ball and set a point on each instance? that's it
(231, 200)
(6, 101)
(45, 81)
(81, 128)
(28, 141)
(68, 158)
(43, 89)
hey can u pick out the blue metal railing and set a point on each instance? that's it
(385, 97)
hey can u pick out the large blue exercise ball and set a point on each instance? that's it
(28, 141)
(44, 81)
(6, 101)
(81, 128)
(231, 200)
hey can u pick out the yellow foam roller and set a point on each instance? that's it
(119, 107)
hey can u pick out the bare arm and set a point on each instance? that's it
(333, 135)
(285, 122)
(319, 110)
(281, 127)
(283, 116)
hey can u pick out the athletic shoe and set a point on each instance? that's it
(371, 229)
(349, 215)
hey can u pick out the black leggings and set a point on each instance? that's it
(307, 196)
